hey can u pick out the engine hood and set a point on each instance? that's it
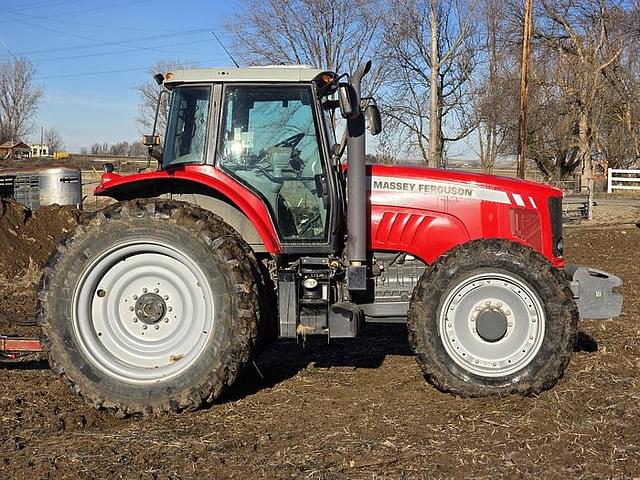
(451, 178)
(427, 212)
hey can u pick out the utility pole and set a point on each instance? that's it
(524, 80)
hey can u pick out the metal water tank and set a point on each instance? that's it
(60, 185)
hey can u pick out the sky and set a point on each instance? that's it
(89, 55)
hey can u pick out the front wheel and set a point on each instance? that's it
(492, 318)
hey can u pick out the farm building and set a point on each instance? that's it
(13, 150)
(39, 150)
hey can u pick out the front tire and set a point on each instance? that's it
(152, 306)
(492, 318)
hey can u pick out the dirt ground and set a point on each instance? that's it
(356, 409)
(26, 241)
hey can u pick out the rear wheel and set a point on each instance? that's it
(492, 318)
(152, 306)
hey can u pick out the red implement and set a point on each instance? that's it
(12, 345)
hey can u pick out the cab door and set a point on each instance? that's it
(269, 141)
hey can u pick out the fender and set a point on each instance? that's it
(245, 211)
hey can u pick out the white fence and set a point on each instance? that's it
(620, 179)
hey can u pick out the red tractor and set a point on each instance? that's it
(251, 229)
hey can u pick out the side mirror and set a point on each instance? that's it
(374, 119)
(151, 140)
(348, 98)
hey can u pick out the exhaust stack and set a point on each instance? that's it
(357, 192)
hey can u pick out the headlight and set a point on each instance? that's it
(310, 283)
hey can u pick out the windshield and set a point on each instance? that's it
(188, 126)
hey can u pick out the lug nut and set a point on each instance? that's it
(131, 308)
(156, 290)
(144, 290)
(166, 297)
(135, 297)
(157, 327)
(144, 327)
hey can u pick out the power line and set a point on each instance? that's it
(88, 74)
(105, 6)
(58, 19)
(76, 35)
(105, 72)
(115, 52)
(117, 42)
(41, 4)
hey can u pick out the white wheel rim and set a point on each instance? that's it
(502, 296)
(146, 342)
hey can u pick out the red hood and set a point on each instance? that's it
(488, 181)
(427, 212)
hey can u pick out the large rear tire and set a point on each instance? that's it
(151, 306)
(492, 318)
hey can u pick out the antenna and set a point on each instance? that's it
(225, 49)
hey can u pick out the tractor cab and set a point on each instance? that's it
(274, 135)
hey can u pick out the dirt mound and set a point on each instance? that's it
(27, 238)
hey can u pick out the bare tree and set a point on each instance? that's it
(53, 139)
(578, 31)
(323, 33)
(619, 138)
(99, 148)
(149, 91)
(431, 55)
(583, 73)
(19, 99)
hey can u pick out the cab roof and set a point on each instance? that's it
(274, 73)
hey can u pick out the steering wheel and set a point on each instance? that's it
(291, 142)
(308, 224)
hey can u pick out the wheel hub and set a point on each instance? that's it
(491, 325)
(150, 308)
(139, 308)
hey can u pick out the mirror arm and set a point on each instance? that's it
(157, 155)
(369, 101)
(340, 147)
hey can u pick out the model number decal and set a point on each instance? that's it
(446, 189)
